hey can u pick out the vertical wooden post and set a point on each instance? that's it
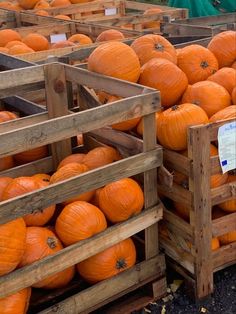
(200, 214)
(57, 105)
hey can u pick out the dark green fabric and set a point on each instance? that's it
(227, 6)
(196, 7)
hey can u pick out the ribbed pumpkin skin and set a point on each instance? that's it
(172, 125)
(121, 199)
(225, 77)
(233, 96)
(12, 245)
(229, 206)
(78, 158)
(68, 171)
(31, 155)
(80, 39)
(6, 163)
(36, 42)
(197, 63)
(223, 47)
(210, 96)
(152, 46)
(7, 115)
(7, 35)
(228, 238)
(115, 59)
(42, 242)
(152, 24)
(4, 181)
(27, 4)
(108, 263)
(16, 303)
(166, 77)
(110, 34)
(217, 179)
(79, 221)
(226, 113)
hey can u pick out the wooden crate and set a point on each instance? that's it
(197, 262)
(56, 126)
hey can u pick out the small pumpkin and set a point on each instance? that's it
(31, 155)
(27, 4)
(227, 238)
(4, 181)
(229, 206)
(7, 116)
(109, 34)
(225, 77)
(215, 244)
(19, 50)
(7, 35)
(63, 44)
(36, 42)
(42, 13)
(121, 200)
(219, 178)
(210, 96)
(166, 77)
(16, 303)
(40, 243)
(6, 163)
(152, 24)
(226, 113)
(13, 43)
(152, 46)
(108, 263)
(172, 125)
(72, 158)
(41, 4)
(80, 39)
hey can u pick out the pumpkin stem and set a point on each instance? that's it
(204, 64)
(51, 242)
(159, 47)
(175, 107)
(121, 264)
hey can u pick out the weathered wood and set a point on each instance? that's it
(224, 257)
(224, 225)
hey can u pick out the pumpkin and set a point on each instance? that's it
(152, 24)
(42, 177)
(6, 163)
(227, 238)
(4, 181)
(72, 158)
(7, 115)
(60, 3)
(12, 245)
(233, 65)
(101, 156)
(140, 124)
(4, 50)
(13, 43)
(42, 13)
(68, 171)
(226, 113)
(79, 221)
(223, 47)
(16, 7)
(36, 42)
(27, 4)
(19, 50)
(6, 5)
(166, 77)
(16, 303)
(121, 200)
(219, 178)
(215, 244)
(225, 77)
(115, 59)
(229, 206)
(31, 155)
(62, 17)
(80, 39)
(42, 4)
(108, 263)
(63, 44)
(210, 96)
(7, 35)
(197, 63)
(80, 1)
(95, 198)
(110, 34)
(172, 125)
(152, 46)
(233, 96)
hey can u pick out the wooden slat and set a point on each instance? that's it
(10, 62)
(177, 194)
(203, 42)
(184, 228)
(78, 252)
(224, 225)
(223, 193)
(24, 106)
(176, 161)
(225, 256)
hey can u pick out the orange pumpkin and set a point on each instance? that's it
(6, 5)
(7, 116)
(42, 13)
(233, 65)
(226, 113)
(121, 199)
(233, 96)
(7, 35)
(31, 155)
(115, 59)
(228, 238)
(19, 50)
(40, 243)
(176, 120)
(197, 63)
(62, 17)
(229, 206)
(13, 43)
(60, 3)
(152, 24)
(101, 156)
(36, 42)
(73, 225)
(223, 47)
(4, 50)
(42, 4)
(72, 158)
(63, 44)
(68, 171)
(27, 4)
(12, 239)
(16, 303)
(210, 96)
(166, 77)
(6, 163)
(215, 244)
(110, 34)
(42, 177)
(4, 181)
(108, 263)
(95, 198)
(140, 125)
(152, 46)
(219, 178)
(225, 77)
(80, 39)
(16, 7)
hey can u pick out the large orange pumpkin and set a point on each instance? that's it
(152, 24)
(72, 158)
(228, 238)
(210, 96)
(226, 113)
(16, 303)
(101, 156)
(31, 155)
(6, 163)
(19, 50)
(27, 4)
(166, 77)
(108, 263)
(229, 206)
(42, 4)
(233, 96)
(115, 59)
(223, 47)
(197, 63)
(7, 115)
(225, 77)
(40, 243)
(4, 181)
(7, 35)
(12, 245)
(68, 171)
(172, 125)
(79, 221)
(152, 46)
(80, 39)
(110, 34)
(121, 200)
(36, 42)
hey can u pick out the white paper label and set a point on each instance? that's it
(110, 11)
(227, 146)
(55, 38)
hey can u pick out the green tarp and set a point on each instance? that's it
(227, 6)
